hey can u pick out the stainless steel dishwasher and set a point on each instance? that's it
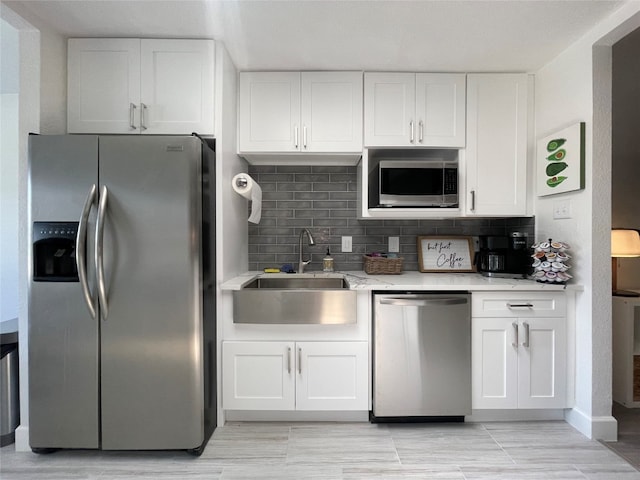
(421, 356)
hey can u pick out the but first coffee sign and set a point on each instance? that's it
(445, 254)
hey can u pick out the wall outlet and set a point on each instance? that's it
(562, 209)
(346, 244)
(394, 244)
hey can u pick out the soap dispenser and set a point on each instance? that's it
(327, 263)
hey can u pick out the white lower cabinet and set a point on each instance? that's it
(295, 375)
(519, 350)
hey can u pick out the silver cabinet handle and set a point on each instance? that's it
(304, 137)
(520, 305)
(289, 360)
(81, 246)
(132, 120)
(299, 361)
(102, 291)
(412, 128)
(525, 344)
(143, 116)
(296, 134)
(514, 341)
(420, 131)
(421, 302)
(473, 200)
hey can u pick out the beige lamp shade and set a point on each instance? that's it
(625, 243)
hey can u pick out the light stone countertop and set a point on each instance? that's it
(413, 280)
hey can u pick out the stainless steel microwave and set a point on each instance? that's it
(418, 183)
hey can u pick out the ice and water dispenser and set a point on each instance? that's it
(54, 252)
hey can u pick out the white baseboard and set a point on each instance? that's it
(597, 428)
(294, 416)
(22, 439)
(515, 415)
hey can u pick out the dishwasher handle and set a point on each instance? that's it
(422, 301)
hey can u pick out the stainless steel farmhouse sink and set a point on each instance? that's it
(298, 282)
(295, 299)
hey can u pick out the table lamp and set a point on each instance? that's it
(624, 243)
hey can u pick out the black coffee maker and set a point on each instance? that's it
(505, 256)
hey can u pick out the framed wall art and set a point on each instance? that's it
(560, 162)
(445, 254)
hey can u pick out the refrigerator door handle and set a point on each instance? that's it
(102, 291)
(81, 244)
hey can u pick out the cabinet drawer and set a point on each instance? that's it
(525, 304)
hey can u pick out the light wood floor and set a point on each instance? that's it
(283, 451)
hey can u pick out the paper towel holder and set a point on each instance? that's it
(241, 182)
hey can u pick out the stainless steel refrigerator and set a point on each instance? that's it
(121, 292)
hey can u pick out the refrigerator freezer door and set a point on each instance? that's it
(151, 344)
(63, 338)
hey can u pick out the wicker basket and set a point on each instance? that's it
(382, 265)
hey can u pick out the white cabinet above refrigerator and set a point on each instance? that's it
(140, 86)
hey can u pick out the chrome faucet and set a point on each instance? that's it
(301, 262)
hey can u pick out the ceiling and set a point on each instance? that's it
(418, 35)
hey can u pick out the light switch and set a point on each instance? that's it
(562, 209)
(394, 244)
(346, 244)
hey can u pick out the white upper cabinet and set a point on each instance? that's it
(332, 112)
(103, 85)
(298, 112)
(497, 137)
(408, 109)
(176, 88)
(148, 86)
(389, 109)
(269, 111)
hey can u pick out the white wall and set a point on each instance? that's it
(9, 158)
(9, 154)
(575, 87)
(28, 121)
(53, 83)
(44, 79)
(9, 151)
(231, 209)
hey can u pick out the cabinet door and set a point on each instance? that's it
(497, 144)
(440, 109)
(331, 111)
(332, 376)
(258, 376)
(269, 117)
(103, 85)
(389, 109)
(494, 355)
(542, 363)
(177, 86)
